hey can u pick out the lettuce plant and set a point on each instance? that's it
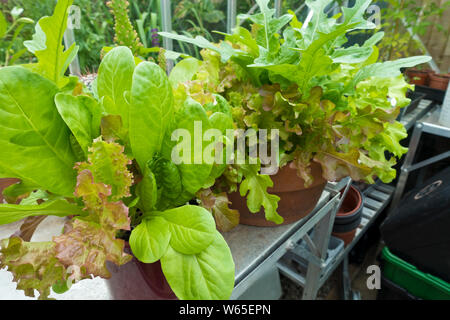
(331, 102)
(104, 161)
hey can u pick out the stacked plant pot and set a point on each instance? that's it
(349, 215)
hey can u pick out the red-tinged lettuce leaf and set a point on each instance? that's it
(113, 215)
(218, 205)
(89, 245)
(108, 164)
(93, 194)
(33, 265)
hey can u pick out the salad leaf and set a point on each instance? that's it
(79, 113)
(33, 138)
(150, 239)
(47, 45)
(193, 170)
(147, 190)
(151, 110)
(384, 70)
(256, 186)
(184, 71)
(114, 81)
(108, 164)
(192, 228)
(88, 246)
(33, 265)
(61, 208)
(206, 275)
(218, 205)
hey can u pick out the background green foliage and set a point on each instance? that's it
(96, 28)
(416, 15)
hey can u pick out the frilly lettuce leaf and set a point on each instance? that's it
(33, 264)
(256, 186)
(218, 205)
(108, 164)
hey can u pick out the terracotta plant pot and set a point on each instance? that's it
(419, 77)
(349, 215)
(439, 81)
(295, 203)
(5, 183)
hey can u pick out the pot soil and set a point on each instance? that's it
(5, 183)
(439, 81)
(349, 216)
(295, 203)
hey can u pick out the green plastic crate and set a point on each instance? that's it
(416, 282)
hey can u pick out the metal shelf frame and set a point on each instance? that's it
(431, 125)
(377, 198)
(252, 263)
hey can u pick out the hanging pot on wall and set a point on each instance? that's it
(295, 203)
(349, 215)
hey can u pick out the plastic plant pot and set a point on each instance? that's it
(349, 215)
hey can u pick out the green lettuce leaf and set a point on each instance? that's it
(206, 275)
(184, 71)
(192, 228)
(47, 45)
(114, 81)
(61, 208)
(81, 115)
(149, 241)
(256, 186)
(147, 190)
(33, 138)
(386, 69)
(151, 110)
(193, 170)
